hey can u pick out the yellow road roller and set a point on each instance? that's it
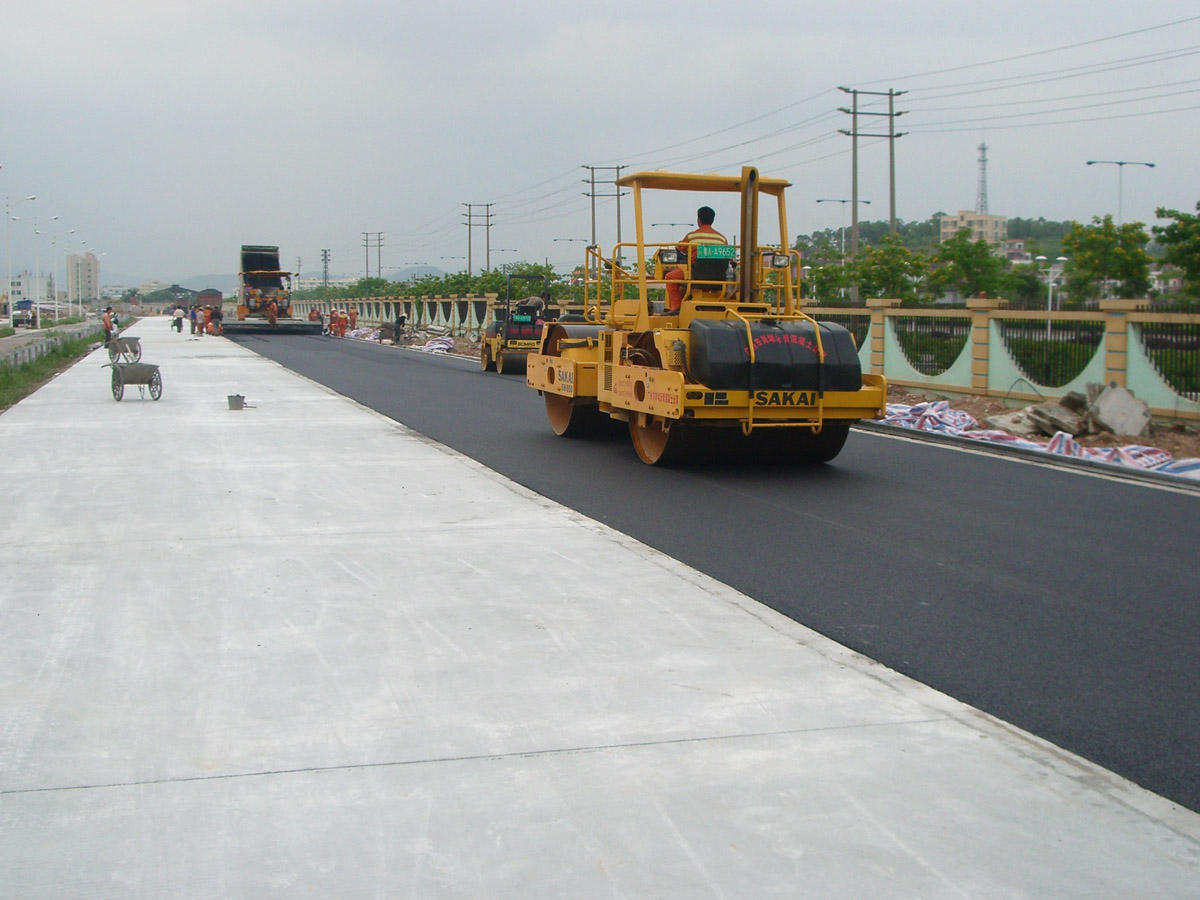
(726, 356)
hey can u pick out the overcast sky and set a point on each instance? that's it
(167, 134)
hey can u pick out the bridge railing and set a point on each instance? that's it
(1029, 355)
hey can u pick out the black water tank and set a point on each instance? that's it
(785, 356)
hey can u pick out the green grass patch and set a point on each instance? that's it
(18, 382)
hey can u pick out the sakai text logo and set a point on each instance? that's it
(784, 398)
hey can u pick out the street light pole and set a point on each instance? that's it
(842, 233)
(1058, 264)
(37, 270)
(8, 248)
(1120, 164)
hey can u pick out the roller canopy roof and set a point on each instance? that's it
(677, 181)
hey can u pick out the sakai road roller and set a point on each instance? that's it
(737, 364)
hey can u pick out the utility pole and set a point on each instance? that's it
(470, 215)
(981, 203)
(592, 182)
(855, 134)
(325, 266)
(373, 239)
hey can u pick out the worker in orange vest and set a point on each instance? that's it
(703, 233)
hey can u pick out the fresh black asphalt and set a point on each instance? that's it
(1062, 603)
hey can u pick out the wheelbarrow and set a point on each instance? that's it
(128, 349)
(144, 375)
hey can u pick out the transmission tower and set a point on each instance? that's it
(325, 266)
(981, 192)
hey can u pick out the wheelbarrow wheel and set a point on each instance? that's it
(113, 353)
(136, 350)
(118, 386)
(155, 385)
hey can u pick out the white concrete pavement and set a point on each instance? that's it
(299, 650)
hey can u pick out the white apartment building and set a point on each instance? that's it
(83, 277)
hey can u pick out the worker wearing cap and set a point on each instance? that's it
(703, 233)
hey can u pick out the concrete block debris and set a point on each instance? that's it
(1115, 409)
(1104, 407)
(1051, 418)
(938, 416)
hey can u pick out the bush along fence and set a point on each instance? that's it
(1025, 356)
(459, 314)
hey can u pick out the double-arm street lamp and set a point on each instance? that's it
(1120, 164)
(842, 233)
(37, 272)
(1050, 270)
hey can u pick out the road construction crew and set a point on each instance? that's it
(703, 233)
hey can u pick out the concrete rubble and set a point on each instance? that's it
(1105, 407)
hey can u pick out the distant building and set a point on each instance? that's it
(1166, 280)
(312, 282)
(83, 277)
(209, 297)
(983, 227)
(1014, 251)
(31, 287)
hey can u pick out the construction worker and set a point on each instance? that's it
(106, 321)
(353, 317)
(272, 312)
(703, 233)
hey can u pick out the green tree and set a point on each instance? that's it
(967, 266)
(1181, 242)
(889, 270)
(828, 285)
(1024, 288)
(1107, 259)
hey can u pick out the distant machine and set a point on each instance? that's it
(265, 296)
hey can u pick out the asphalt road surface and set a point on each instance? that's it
(1063, 603)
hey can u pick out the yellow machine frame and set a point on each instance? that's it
(630, 361)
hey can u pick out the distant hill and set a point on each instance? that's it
(226, 284)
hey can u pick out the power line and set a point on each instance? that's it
(1060, 49)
